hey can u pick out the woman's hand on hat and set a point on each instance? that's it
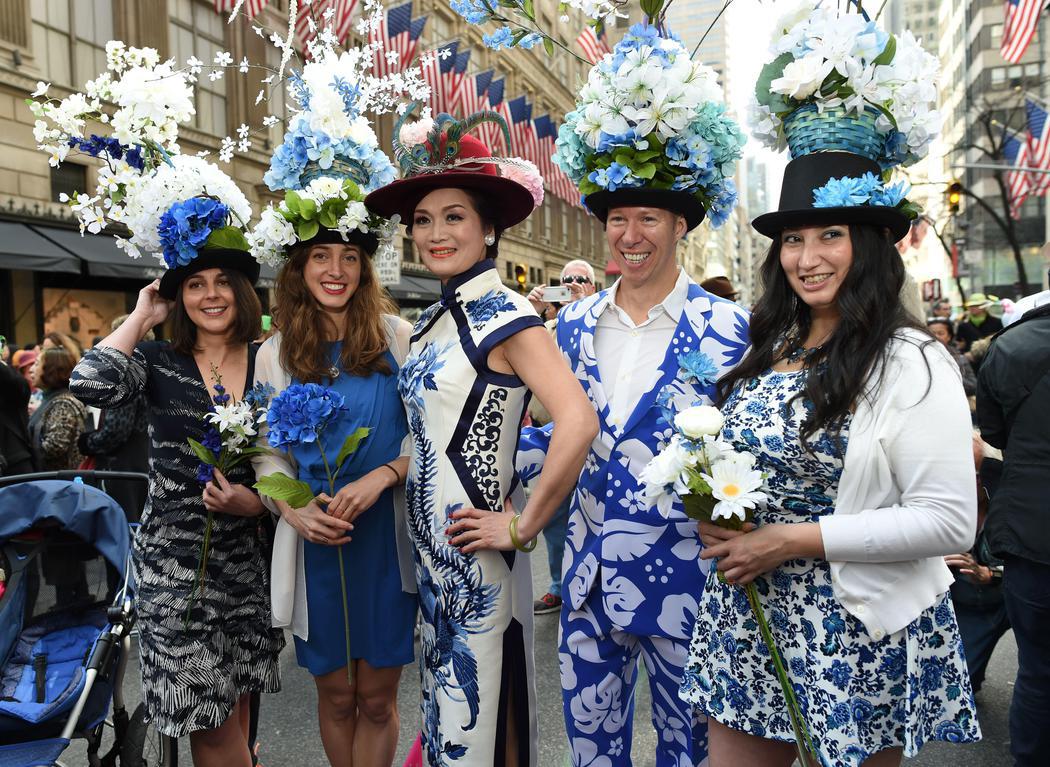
(150, 308)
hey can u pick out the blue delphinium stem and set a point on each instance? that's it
(342, 568)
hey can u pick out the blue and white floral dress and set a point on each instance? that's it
(476, 609)
(859, 695)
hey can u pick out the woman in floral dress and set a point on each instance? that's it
(858, 418)
(474, 356)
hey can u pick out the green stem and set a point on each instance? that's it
(342, 568)
(201, 566)
(807, 755)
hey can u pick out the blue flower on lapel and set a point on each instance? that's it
(483, 309)
(695, 367)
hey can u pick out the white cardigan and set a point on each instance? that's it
(907, 495)
(287, 571)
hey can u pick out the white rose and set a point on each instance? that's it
(699, 421)
(802, 77)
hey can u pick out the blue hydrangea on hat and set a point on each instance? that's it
(329, 160)
(650, 128)
(851, 103)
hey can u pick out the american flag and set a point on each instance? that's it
(491, 133)
(1020, 20)
(543, 126)
(434, 70)
(1038, 146)
(521, 133)
(251, 7)
(593, 44)
(474, 96)
(341, 21)
(1018, 179)
(392, 34)
(456, 82)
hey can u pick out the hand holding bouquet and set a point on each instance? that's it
(719, 485)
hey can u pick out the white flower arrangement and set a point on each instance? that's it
(835, 58)
(148, 198)
(714, 481)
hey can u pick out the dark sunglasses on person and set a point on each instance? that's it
(579, 279)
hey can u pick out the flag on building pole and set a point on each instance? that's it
(415, 31)
(474, 96)
(251, 7)
(521, 133)
(1038, 147)
(593, 44)
(1018, 179)
(490, 132)
(543, 125)
(457, 81)
(1020, 20)
(434, 68)
(392, 34)
(311, 17)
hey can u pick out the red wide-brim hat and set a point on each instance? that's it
(514, 202)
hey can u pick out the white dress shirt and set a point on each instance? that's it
(629, 355)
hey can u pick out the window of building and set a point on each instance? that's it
(197, 30)
(1031, 70)
(545, 211)
(1015, 72)
(69, 178)
(510, 271)
(997, 34)
(998, 75)
(577, 227)
(563, 224)
(408, 252)
(69, 38)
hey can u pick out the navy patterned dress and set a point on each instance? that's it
(195, 662)
(476, 609)
(859, 695)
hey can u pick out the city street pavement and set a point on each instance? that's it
(288, 729)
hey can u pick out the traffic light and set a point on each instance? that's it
(520, 273)
(955, 190)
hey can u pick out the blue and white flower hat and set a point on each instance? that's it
(193, 216)
(650, 128)
(326, 165)
(851, 103)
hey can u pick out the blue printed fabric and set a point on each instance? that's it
(632, 579)
(859, 694)
(476, 609)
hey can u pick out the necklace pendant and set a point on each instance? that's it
(333, 372)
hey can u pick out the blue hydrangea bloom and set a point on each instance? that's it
(853, 191)
(302, 145)
(300, 412)
(186, 226)
(473, 11)
(501, 38)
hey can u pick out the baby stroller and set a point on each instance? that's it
(66, 614)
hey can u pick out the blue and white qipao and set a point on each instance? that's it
(476, 634)
(632, 579)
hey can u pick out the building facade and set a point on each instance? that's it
(53, 279)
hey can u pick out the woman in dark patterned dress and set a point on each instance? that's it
(202, 653)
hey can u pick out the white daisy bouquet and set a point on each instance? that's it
(827, 58)
(720, 485)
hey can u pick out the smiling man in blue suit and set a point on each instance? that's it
(632, 579)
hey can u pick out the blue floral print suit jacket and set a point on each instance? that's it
(648, 566)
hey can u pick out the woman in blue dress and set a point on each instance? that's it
(337, 329)
(857, 417)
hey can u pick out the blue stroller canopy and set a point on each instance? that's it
(85, 511)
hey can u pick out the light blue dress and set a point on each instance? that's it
(382, 616)
(859, 695)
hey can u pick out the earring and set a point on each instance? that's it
(490, 239)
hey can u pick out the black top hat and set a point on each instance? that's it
(682, 203)
(805, 174)
(209, 258)
(368, 241)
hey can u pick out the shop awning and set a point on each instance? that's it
(22, 248)
(101, 254)
(416, 288)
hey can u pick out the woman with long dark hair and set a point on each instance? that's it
(858, 419)
(474, 357)
(341, 581)
(206, 644)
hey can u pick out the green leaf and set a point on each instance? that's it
(227, 237)
(204, 454)
(307, 208)
(530, 11)
(769, 73)
(350, 445)
(327, 219)
(548, 46)
(292, 201)
(651, 8)
(306, 230)
(648, 170)
(281, 487)
(887, 53)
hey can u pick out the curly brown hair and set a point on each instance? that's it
(302, 323)
(56, 366)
